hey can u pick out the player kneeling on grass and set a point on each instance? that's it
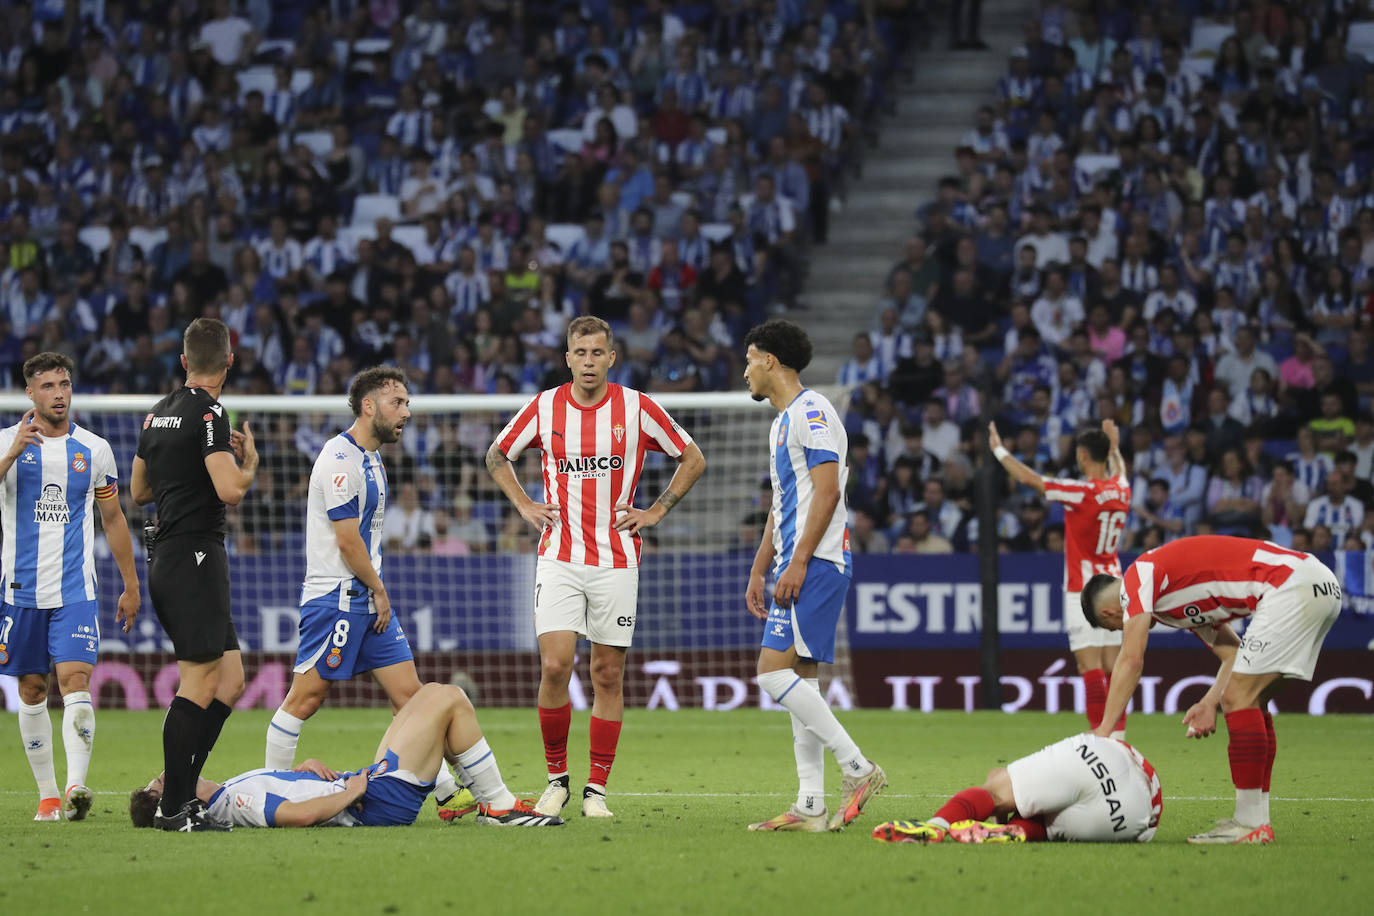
(1084, 789)
(1199, 584)
(437, 724)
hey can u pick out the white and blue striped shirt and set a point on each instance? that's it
(807, 433)
(347, 482)
(46, 500)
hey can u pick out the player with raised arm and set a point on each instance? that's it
(1290, 601)
(806, 537)
(438, 724)
(1095, 510)
(52, 473)
(1084, 789)
(347, 626)
(593, 436)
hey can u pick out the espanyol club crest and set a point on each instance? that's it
(4, 654)
(380, 767)
(79, 462)
(618, 431)
(335, 658)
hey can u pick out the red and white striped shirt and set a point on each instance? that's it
(592, 460)
(1204, 581)
(1094, 519)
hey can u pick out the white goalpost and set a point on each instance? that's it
(459, 561)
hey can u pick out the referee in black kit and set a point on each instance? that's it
(191, 464)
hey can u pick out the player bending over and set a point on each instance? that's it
(1095, 510)
(1085, 789)
(437, 724)
(808, 537)
(1200, 583)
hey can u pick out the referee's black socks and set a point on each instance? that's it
(212, 721)
(182, 732)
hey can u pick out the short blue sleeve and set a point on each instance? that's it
(818, 456)
(269, 809)
(347, 510)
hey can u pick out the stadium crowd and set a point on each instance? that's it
(1166, 219)
(438, 184)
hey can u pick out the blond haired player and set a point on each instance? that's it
(594, 437)
(1095, 510)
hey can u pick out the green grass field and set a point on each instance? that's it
(684, 787)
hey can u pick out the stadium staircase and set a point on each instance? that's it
(934, 111)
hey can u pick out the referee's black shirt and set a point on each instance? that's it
(182, 430)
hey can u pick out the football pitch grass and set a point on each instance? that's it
(684, 787)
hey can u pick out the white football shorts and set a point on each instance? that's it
(597, 602)
(1087, 789)
(1285, 633)
(1083, 635)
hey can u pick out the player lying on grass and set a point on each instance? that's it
(1289, 600)
(1086, 789)
(388, 793)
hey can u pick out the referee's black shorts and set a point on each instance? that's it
(188, 580)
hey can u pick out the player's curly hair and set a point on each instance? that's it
(143, 806)
(1088, 598)
(46, 362)
(368, 381)
(785, 340)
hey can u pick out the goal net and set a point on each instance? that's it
(459, 562)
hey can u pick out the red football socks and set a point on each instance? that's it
(1273, 749)
(604, 735)
(972, 804)
(553, 725)
(1121, 722)
(1248, 747)
(1034, 827)
(1095, 695)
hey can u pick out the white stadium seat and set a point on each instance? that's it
(368, 208)
(319, 142)
(263, 79)
(566, 139)
(564, 235)
(96, 238)
(716, 232)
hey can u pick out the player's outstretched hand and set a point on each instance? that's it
(127, 609)
(994, 438)
(27, 435)
(319, 769)
(753, 598)
(789, 584)
(1113, 433)
(1201, 720)
(540, 515)
(632, 519)
(381, 602)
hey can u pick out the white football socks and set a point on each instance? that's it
(1251, 807)
(283, 734)
(810, 754)
(479, 763)
(78, 735)
(804, 701)
(35, 729)
(445, 786)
